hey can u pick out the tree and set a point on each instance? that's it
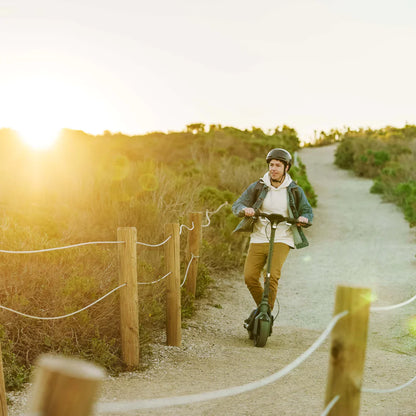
(195, 128)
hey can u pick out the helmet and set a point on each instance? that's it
(280, 154)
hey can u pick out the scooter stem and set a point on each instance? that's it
(265, 298)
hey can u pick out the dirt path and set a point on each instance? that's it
(356, 240)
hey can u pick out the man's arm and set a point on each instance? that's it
(245, 201)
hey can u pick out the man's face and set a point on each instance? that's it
(276, 169)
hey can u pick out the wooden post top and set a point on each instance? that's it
(71, 367)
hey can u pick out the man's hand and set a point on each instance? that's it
(302, 220)
(249, 212)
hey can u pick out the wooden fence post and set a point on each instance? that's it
(129, 303)
(64, 386)
(3, 397)
(192, 248)
(347, 354)
(173, 286)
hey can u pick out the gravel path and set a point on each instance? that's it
(356, 240)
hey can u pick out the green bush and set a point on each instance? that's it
(388, 156)
(406, 199)
(203, 280)
(298, 173)
(377, 187)
(16, 372)
(211, 197)
(344, 154)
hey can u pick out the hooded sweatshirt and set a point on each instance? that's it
(275, 202)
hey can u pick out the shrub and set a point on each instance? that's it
(388, 156)
(344, 154)
(377, 187)
(16, 372)
(298, 173)
(406, 199)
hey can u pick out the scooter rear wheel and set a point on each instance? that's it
(262, 333)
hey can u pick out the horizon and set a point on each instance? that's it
(43, 142)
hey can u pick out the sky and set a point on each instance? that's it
(136, 66)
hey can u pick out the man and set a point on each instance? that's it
(275, 193)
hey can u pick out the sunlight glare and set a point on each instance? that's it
(38, 137)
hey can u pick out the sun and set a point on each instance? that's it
(34, 111)
(38, 137)
(40, 105)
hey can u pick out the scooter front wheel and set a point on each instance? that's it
(262, 333)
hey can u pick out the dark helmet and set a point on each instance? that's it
(280, 154)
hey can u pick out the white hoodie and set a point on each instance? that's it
(274, 203)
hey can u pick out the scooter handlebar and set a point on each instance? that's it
(277, 218)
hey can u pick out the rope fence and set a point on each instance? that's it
(386, 308)
(155, 281)
(60, 248)
(80, 245)
(134, 405)
(337, 398)
(331, 404)
(187, 269)
(62, 316)
(207, 214)
(391, 390)
(100, 299)
(128, 406)
(127, 243)
(185, 226)
(154, 245)
(104, 242)
(391, 307)
(178, 400)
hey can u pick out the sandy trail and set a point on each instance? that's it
(356, 240)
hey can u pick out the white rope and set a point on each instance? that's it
(125, 406)
(63, 316)
(331, 404)
(60, 248)
(155, 245)
(111, 242)
(187, 269)
(388, 308)
(212, 213)
(158, 280)
(185, 226)
(208, 219)
(222, 205)
(392, 390)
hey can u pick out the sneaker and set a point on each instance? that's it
(248, 323)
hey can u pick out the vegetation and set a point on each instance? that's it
(388, 156)
(82, 190)
(326, 138)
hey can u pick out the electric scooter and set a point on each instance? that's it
(260, 322)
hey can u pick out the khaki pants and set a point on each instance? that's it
(255, 262)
